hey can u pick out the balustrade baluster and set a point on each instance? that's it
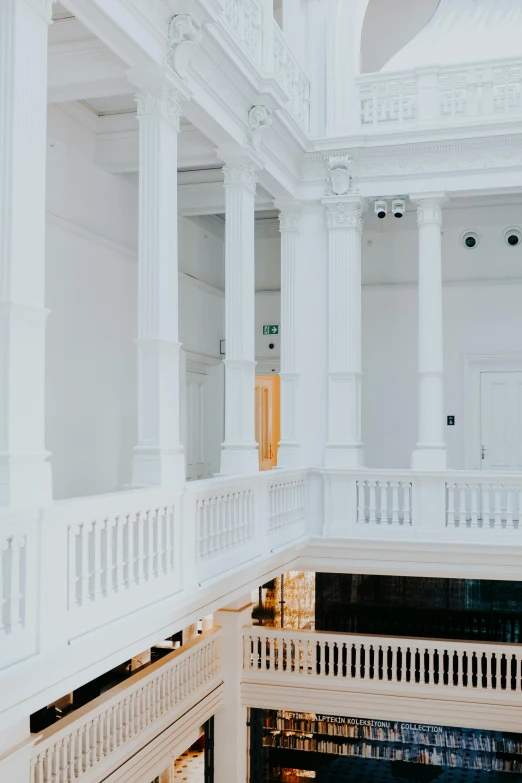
(462, 492)
(361, 502)
(372, 502)
(393, 663)
(406, 490)
(85, 563)
(357, 661)
(139, 547)
(109, 556)
(394, 485)
(485, 511)
(119, 560)
(383, 489)
(72, 577)
(473, 492)
(497, 489)
(96, 558)
(15, 593)
(271, 653)
(510, 490)
(450, 512)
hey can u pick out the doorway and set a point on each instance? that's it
(267, 419)
(501, 421)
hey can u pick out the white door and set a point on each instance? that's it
(501, 421)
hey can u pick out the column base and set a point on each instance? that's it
(429, 458)
(344, 457)
(239, 459)
(157, 468)
(25, 481)
(288, 454)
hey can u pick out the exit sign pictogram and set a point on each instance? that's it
(271, 329)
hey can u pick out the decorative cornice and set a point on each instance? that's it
(244, 175)
(184, 37)
(163, 103)
(259, 119)
(344, 214)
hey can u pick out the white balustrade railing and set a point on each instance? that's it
(18, 591)
(467, 93)
(98, 737)
(286, 503)
(292, 78)
(224, 519)
(442, 664)
(474, 501)
(381, 501)
(245, 20)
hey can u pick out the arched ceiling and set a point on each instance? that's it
(388, 26)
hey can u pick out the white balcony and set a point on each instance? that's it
(450, 96)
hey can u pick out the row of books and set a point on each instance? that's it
(447, 738)
(454, 758)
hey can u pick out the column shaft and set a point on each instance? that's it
(289, 223)
(158, 457)
(25, 475)
(239, 454)
(430, 452)
(344, 448)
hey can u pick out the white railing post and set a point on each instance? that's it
(230, 760)
(428, 87)
(340, 504)
(268, 36)
(430, 508)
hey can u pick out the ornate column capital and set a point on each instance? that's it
(289, 216)
(241, 173)
(259, 119)
(429, 208)
(163, 102)
(344, 212)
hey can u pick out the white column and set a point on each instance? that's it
(158, 457)
(289, 224)
(25, 474)
(344, 216)
(430, 452)
(230, 722)
(239, 454)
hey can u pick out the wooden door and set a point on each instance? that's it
(501, 421)
(267, 419)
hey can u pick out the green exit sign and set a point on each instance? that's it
(271, 329)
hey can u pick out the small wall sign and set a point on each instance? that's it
(451, 421)
(271, 329)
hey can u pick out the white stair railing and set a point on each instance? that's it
(97, 738)
(484, 502)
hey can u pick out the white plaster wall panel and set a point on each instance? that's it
(202, 314)
(201, 252)
(89, 197)
(91, 371)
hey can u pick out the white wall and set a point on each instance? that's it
(91, 286)
(91, 294)
(482, 315)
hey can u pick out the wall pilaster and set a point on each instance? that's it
(25, 473)
(239, 454)
(344, 217)
(158, 456)
(289, 226)
(430, 451)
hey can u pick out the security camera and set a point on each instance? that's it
(470, 239)
(381, 208)
(398, 207)
(512, 237)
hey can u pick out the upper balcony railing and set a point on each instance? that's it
(464, 95)
(252, 25)
(92, 559)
